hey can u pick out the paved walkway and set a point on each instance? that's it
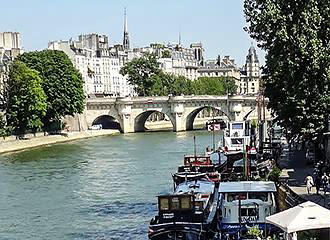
(297, 162)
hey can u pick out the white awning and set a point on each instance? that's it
(305, 216)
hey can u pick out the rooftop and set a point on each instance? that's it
(247, 186)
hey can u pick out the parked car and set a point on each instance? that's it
(96, 127)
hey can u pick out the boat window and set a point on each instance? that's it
(198, 205)
(235, 196)
(175, 203)
(237, 125)
(249, 212)
(259, 195)
(237, 141)
(185, 203)
(252, 156)
(163, 202)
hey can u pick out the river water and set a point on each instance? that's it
(98, 188)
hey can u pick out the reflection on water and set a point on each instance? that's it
(98, 188)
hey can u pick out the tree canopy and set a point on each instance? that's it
(295, 35)
(169, 84)
(140, 72)
(149, 80)
(26, 100)
(214, 86)
(61, 82)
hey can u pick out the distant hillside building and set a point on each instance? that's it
(250, 74)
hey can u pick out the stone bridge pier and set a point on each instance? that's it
(130, 114)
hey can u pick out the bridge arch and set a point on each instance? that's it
(107, 122)
(248, 114)
(140, 120)
(192, 115)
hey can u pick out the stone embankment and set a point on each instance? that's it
(11, 144)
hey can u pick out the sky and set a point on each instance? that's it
(217, 24)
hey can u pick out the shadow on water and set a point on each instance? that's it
(42, 153)
(136, 227)
(122, 233)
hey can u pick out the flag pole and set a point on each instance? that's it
(195, 146)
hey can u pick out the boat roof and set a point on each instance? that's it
(247, 186)
(241, 163)
(195, 187)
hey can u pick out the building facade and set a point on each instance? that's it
(10, 48)
(93, 57)
(174, 58)
(221, 67)
(250, 73)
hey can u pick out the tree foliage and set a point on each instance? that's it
(214, 86)
(61, 82)
(4, 129)
(296, 36)
(167, 84)
(149, 80)
(26, 100)
(140, 72)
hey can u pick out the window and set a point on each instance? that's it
(236, 196)
(259, 195)
(237, 126)
(237, 141)
(163, 202)
(249, 212)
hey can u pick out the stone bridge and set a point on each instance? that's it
(131, 113)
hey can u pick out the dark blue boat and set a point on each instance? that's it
(189, 213)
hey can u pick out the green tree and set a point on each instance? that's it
(169, 84)
(166, 54)
(26, 100)
(296, 36)
(214, 86)
(61, 82)
(3, 130)
(140, 72)
(182, 85)
(158, 88)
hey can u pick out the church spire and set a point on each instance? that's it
(179, 38)
(126, 45)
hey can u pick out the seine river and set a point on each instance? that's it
(98, 188)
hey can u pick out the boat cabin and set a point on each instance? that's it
(238, 129)
(191, 160)
(177, 207)
(237, 136)
(246, 203)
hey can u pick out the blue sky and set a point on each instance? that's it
(218, 24)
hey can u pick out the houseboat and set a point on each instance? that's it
(243, 205)
(188, 213)
(199, 164)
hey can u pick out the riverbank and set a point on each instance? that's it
(11, 145)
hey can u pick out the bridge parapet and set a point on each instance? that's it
(131, 112)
